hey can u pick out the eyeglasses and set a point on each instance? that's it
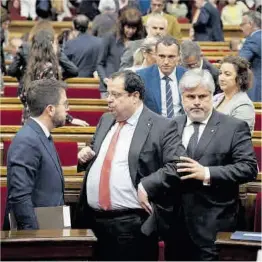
(65, 104)
(244, 23)
(115, 95)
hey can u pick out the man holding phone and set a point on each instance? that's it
(220, 157)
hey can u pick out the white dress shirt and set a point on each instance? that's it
(188, 132)
(122, 192)
(175, 93)
(44, 128)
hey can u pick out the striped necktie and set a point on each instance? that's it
(169, 98)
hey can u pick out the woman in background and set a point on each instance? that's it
(130, 27)
(234, 80)
(43, 63)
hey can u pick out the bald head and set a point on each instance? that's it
(156, 25)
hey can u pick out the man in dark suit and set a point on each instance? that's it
(191, 57)
(134, 148)
(161, 80)
(221, 157)
(34, 174)
(208, 26)
(251, 50)
(84, 49)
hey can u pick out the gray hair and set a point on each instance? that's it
(157, 17)
(189, 48)
(254, 17)
(195, 77)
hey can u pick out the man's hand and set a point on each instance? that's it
(143, 199)
(191, 166)
(79, 122)
(85, 154)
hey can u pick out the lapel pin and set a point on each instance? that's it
(212, 130)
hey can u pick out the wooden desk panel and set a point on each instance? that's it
(66, 244)
(236, 250)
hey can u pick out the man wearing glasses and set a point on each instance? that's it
(129, 166)
(161, 80)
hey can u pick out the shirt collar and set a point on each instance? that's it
(44, 128)
(255, 32)
(134, 118)
(189, 122)
(172, 76)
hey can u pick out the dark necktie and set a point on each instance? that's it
(169, 98)
(104, 185)
(53, 148)
(191, 148)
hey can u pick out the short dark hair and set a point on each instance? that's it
(132, 82)
(81, 23)
(167, 41)
(42, 93)
(241, 66)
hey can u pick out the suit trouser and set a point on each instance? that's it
(179, 246)
(120, 238)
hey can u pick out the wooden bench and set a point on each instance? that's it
(236, 250)
(60, 244)
(18, 28)
(72, 101)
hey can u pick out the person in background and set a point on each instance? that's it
(207, 24)
(18, 67)
(176, 8)
(234, 82)
(191, 57)
(28, 9)
(65, 36)
(130, 27)
(60, 10)
(156, 26)
(5, 21)
(161, 80)
(232, 13)
(43, 64)
(105, 22)
(145, 55)
(83, 50)
(158, 6)
(251, 50)
(220, 158)
(34, 172)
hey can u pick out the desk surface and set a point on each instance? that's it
(47, 235)
(223, 238)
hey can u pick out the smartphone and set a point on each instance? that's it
(178, 160)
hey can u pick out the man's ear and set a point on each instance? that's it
(50, 110)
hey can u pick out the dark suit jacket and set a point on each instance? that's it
(251, 50)
(34, 176)
(154, 146)
(109, 57)
(83, 52)
(151, 78)
(208, 26)
(209, 209)
(214, 72)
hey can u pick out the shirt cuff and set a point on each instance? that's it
(206, 181)
(140, 187)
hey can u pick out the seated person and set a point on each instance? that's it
(233, 80)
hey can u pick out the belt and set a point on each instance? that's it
(98, 213)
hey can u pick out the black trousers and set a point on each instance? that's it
(179, 246)
(120, 238)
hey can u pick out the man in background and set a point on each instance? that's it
(84, 49)
(156, 26)
(251, 50)
(191, 57)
